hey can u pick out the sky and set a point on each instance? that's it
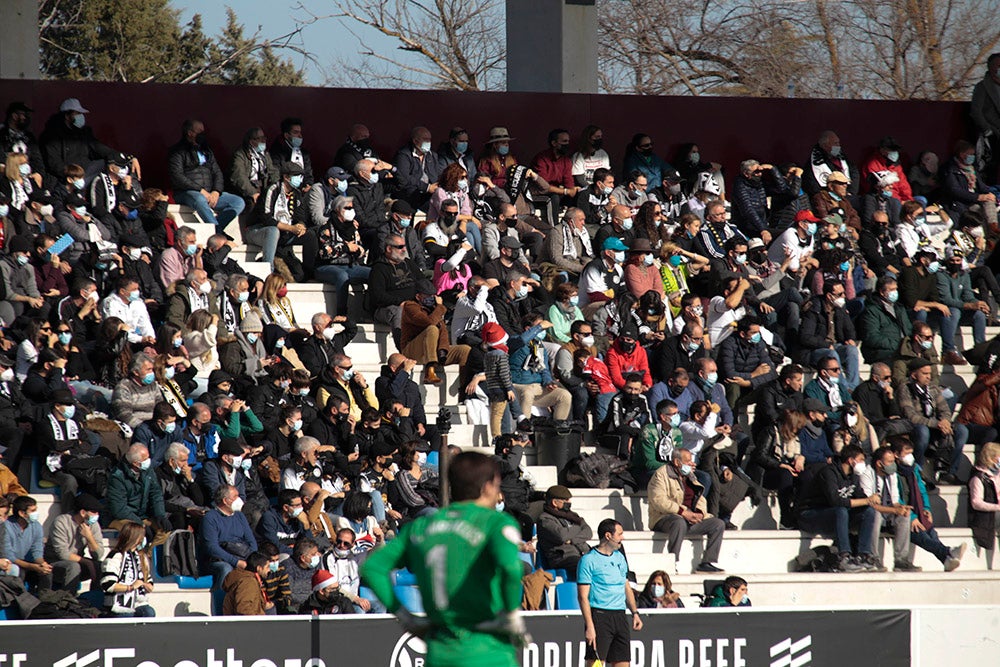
(329, 39)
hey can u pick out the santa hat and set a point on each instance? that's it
(322, 579)
(493, 333)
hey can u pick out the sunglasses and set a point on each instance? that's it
(342, 543)
(398, 247)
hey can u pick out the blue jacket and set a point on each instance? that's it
(155, 440)
(211, 442)
(212, 476)
(21, 544)
(521, 376)
(815, 449)
(717, 395)
(652, 167)
(274, 529)
(217, 528)
(660, 391)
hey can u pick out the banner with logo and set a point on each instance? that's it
(669, 639)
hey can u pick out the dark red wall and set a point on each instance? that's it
(145, 119)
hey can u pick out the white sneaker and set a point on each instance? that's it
(955, 557)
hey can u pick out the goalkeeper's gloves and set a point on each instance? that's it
(511, 624)
(418, 626)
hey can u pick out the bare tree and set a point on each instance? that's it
(446, 44)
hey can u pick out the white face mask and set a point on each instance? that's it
(349, 214)
(238, 505)
(46, 210)
(205, 287)
(860, 468)
(7, 375)
(588, 341)
(134, 254)
(329, 333)
(908, 460)
(659, 590)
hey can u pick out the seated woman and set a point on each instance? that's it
(170, 344)
(407, 491)
(274, 304)
(453, 185)
(169, 388)
(778, 461)
(658, 593)
(125, 583)
(201, 342)
(79, 373)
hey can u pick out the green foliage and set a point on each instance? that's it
(143, 40)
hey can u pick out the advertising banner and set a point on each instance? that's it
(669, 639)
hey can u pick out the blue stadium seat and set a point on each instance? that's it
(191, 583)
(405, 578)
(527, 559)
(566, 596)
(39, 485)
(433, 458)
(409, 596)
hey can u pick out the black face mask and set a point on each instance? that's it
(363, 144)
(449, 218)
(628, 348)
(596, 144)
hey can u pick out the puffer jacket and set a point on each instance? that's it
(979, 405)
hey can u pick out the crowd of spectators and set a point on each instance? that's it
(712, 328)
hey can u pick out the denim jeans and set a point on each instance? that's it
(93, 395)
(949, 325)
(928, 541)
(838, 521)
(142, 611)
(219, 570)
(850, 363)
(474, 236)
(340, 276)
(266, 236)
(226, 209)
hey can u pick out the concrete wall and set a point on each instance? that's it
(19, 39)
(954, 635)
(145, 119)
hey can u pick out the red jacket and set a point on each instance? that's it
(621, 363)
(877, 162)
(557, 170)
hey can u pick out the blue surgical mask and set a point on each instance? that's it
(892, 156)
(500, 506)
(145, 466)
(675, 419)
(970, 159)
(295, 142)
(934, 267)
(297, 426)
(811, 229)
(373, 178)
(648, 260)
(675, 260)
(25, 169)
(463, 184)
(741, 258)
(80, 211)
(68, 411)
(620, 256)
(79, 120)
(273, 566)
(22, 260)
(242, 297)
(4, 210)
(251, 338)
(148, 378)
(341, 186)
(348, 374)
(33, 517)
(712, 378)
(608, 190)
(170, 427)
(92, 519)
(926, 344)
(503, 150)
(404, 222)
(79, 183)
(279, 344)
(541, 335)
(686, 469)
(892, 296)
(461, 146)
(755, 338)
(169, 372)
(260, 148)
(845, 266)
(694, 157)
(314, 561)
(521, 292)
(246, 463)
(835, 150)
(295, 181)
(134, 295)
(425, 147)
(65, 337)
(190, 249)
(627, 224)
(177, 342)
(574, 300)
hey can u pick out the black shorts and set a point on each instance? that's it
(614, 636)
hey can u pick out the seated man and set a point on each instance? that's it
(301, 566)
(197, 180)
(827, 331)
(884, 322)
(235, 467)
(923, 403)
(424, 333)
(832, 502)
(283, 525)
(657, 442)
(562, 533)
(744, 363)
(134, 492)
(919, 344)
(628, 412)
(677, 507)
(183, 498)
(775, 398)
(126, 304)
(136, 396)
(225, 539)
(877, 399)
(157, 433)
(76, 545)
(913, 493)
(826, 388)
(392, 281)
(23, 544)
(529, 369)
(881, 479)
(955, 291)
(244, 589)
(918, 291)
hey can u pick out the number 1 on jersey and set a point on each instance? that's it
(437, 563)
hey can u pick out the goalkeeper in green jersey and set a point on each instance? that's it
(465, 560)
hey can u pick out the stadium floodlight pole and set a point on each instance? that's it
(444, 426)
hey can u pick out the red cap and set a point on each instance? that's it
(806, 215)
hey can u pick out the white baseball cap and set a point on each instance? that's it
(72, 104)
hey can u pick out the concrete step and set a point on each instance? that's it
(753, 552)
(961, 587)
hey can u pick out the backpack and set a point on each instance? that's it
(596, 471)
(818, 559)
(179, 555)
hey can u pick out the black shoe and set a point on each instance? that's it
(731, 526)
(228, 237)
(905, 566)
(709, 568)
(949, 479)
